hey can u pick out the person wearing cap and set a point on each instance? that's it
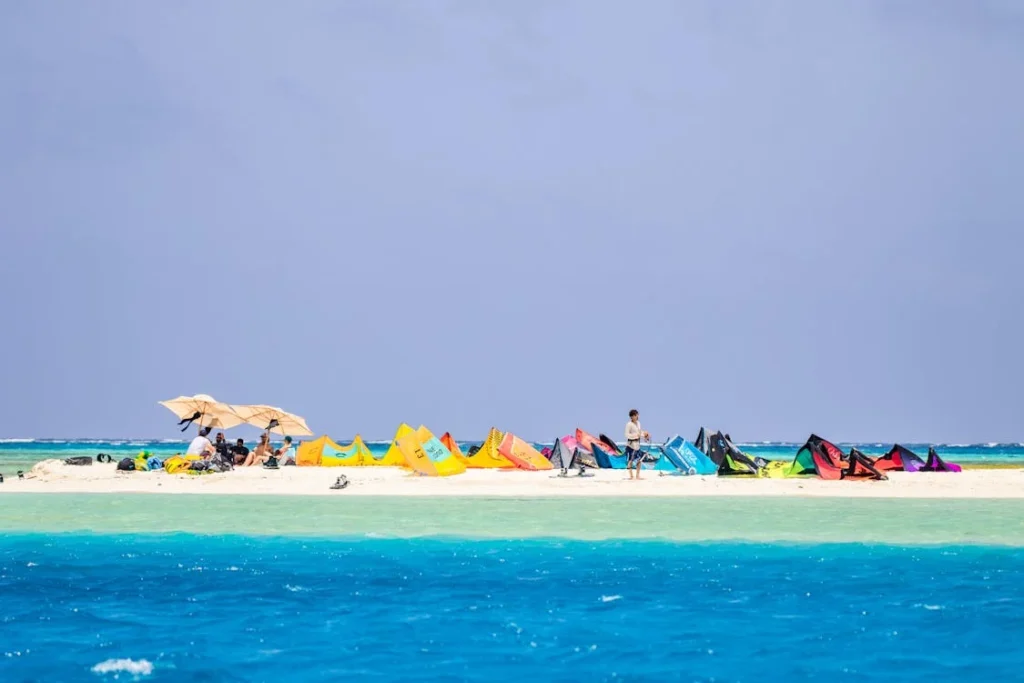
(634, 433)
(201, 445)
(259, 455)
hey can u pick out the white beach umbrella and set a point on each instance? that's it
(204, 410)
(273, 419)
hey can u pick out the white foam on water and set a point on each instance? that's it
(610, 598)
(416, 617)
(141, 667)
(295, 589)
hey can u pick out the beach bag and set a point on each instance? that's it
(218, 463)
(175, 464)
(126, 465)
(200, 467)
(154, 463)
(79, 460)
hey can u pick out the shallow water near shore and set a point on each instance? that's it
(757, 519)
(226, 608)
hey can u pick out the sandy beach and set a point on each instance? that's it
(54, 476)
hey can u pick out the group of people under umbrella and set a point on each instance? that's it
(208, 413)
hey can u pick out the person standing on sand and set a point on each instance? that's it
(634, 433)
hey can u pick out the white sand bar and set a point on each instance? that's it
(53, 476)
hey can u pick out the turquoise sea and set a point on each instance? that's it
(21, 454)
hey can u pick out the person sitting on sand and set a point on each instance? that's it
(286, 453)
(634, 432)
(259, 455)
(220, 444)
(239, 452)
(201, 445)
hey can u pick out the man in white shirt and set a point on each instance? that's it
(634, 433)
(200, 445)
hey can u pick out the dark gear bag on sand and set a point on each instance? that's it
(219, 463)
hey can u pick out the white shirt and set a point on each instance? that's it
(198, 445)
(633, 432)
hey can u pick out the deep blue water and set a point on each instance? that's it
(230, 608)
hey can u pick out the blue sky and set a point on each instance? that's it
(769, 217)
